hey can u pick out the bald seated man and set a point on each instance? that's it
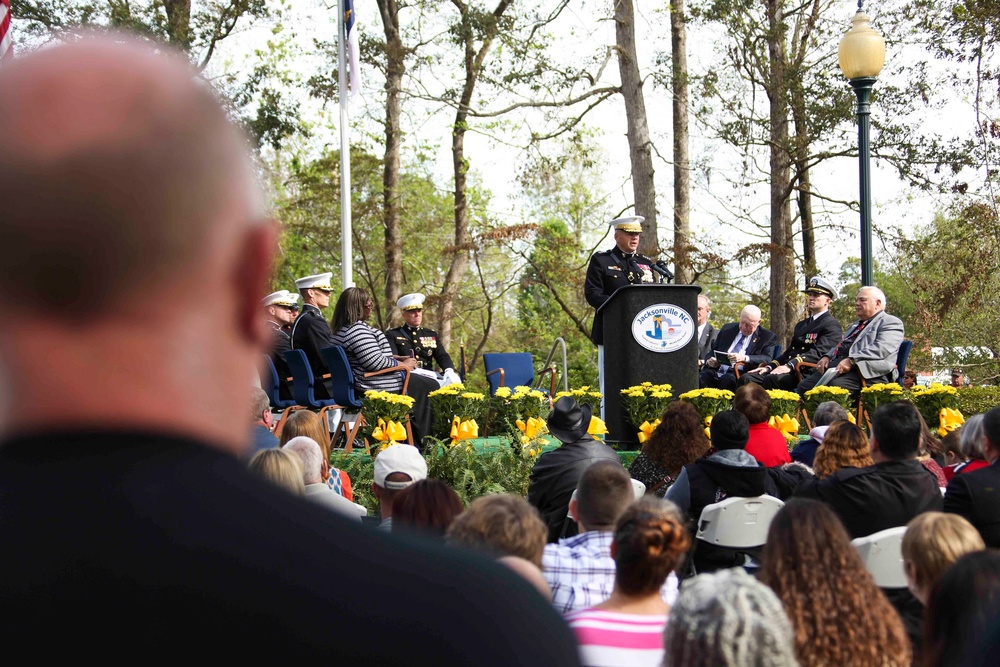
(126, 190)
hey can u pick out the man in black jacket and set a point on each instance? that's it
(891, 492)
(311, 332)
(557, 473)
(811, 339)
(746, 342)
(280, 310)
(133, 531)
(976, 495)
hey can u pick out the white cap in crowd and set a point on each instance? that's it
(401, 458)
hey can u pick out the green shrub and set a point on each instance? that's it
(977, 400)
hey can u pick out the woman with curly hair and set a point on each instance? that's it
(626, 630)
(678, 440)
(839, 615)
(844, 446)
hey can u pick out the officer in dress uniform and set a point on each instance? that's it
(311, 332)
(611, 269)
(280, 310)
(413, 340)
(812, 338)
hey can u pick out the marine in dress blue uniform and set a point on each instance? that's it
(280, 311)
(412, 340)
(311, 332)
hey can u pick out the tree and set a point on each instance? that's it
(639, 143)
(682, 161)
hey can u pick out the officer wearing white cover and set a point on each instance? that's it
(311, 332)
(413, 340)
(280, 310)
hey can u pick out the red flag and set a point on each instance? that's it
(6, 43)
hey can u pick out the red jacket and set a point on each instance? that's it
(767, 445)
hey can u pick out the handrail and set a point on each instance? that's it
(565, 377)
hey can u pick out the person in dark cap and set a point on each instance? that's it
(811, 339)
(728, 473)
(557, 473)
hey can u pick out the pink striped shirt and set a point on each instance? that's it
(614, 639)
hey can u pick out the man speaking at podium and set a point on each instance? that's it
(611, 269)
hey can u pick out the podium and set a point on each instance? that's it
(650, 335)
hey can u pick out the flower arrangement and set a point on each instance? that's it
(818, 395)
(645, 402)
(454, 401)
(875, 395)
(783, 403)
(385, 414)
(708, 401)
(508, 406)
(930, 400)
(582, 395)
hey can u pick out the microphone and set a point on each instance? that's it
(661, 268)
(664, 275)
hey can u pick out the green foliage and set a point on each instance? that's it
(360, 468)
(473, 473)
(978, 400)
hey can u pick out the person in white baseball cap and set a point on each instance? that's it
(396, 468)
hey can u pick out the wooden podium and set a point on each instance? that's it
(650, 334)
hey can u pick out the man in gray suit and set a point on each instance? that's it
(706, 332)
(868, 350)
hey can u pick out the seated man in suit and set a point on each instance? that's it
(706, 332)
(868, 349)
(976, 495)
(747, 343)
(811, 339)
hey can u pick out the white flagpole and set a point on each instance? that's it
(346, 250)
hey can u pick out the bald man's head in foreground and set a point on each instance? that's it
(135, 245)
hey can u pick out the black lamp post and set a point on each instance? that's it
(861, 55)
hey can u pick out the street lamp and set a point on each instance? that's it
(861, 55)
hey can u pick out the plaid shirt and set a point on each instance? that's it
(581, 572)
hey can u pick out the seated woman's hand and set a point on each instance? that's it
(409, 363)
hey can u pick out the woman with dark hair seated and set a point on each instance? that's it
(766, 443)
(839, 615)
(678, 440)
(626, 630)
(962, 623)
(425, 508)
(368, 350)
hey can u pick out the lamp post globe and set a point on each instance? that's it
(861, 55)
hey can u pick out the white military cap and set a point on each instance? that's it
(411, 301)
(319, 281)
(281, 298)
(632, 223)
(819, 286)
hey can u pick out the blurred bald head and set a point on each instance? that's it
(133, 239)
(119, 169)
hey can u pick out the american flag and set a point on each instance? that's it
(353, 54)
(6, 43)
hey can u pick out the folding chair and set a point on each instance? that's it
(512, 369)
(270, 382)
(303, 383)
(738, 523)
(342, 378)
(882, 553)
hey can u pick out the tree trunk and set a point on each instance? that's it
(178, 22)
(804, 186)
(640, 150)
(395, 69)
(463, 242)
(782, 257)
(682, 162)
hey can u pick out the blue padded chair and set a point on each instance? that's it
(901, 358)
(342, 378)
(269, 382)
(303, 382)
(512, 369)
